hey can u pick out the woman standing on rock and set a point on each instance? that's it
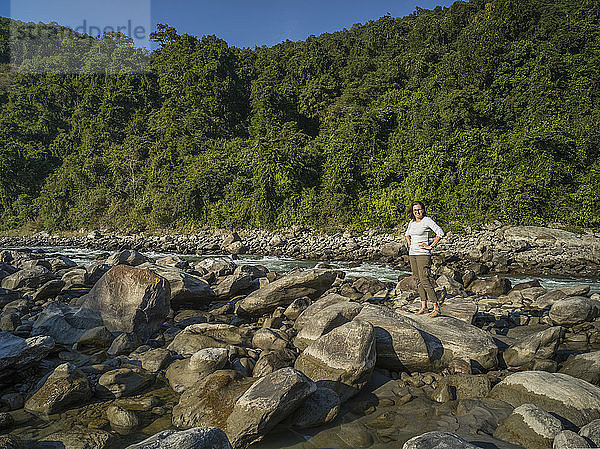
(419, 254)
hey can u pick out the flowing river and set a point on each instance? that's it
(383, 272)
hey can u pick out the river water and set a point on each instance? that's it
(383, 272)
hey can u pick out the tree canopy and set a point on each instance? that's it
(481, 110)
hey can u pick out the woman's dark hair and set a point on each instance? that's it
(410, 214)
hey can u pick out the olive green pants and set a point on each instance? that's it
(421, 268)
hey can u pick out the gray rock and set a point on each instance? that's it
(591, 431)
(269, 339)
(267, 402)
(574, 310)
(196, 438)
(315, 308)
(27, 278)
(327, 319)
(61, 263)
(568, 397)
(97, 337)
(461, 310)
(541, 345)
(182, 374)
(567, 439)
(466, 386)
(459, 340)
(452, 286)
(319, 408)
(210, 401)
(127, 257)
(232, 285)
(121, 420)
(584, 366)
(209, 335)
(438, 440)
(154, 360)
(299, 305)
(49, 289)
(65, 388)
(65, 324)
(124, 344)
(342, 360)
(529, 426)
(400, 346)
(186, 289)
(575, 290)
(122, 382)
(547, 299)
(283, 291)
(272, 361)
(492, 286)
(220, 266)
(75, 276)
(17, 352)
(130, 300)
(78, 438)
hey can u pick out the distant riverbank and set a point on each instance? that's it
(493, 249)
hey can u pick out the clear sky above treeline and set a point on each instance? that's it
(242, 23)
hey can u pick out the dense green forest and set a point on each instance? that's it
(482, 110)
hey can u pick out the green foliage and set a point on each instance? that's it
(483, 110)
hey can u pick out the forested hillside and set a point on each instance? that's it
(482, 110)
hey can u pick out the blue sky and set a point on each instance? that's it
(242, 23)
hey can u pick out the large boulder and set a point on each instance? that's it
(272, 361)
(67, 387)
(233, 285)
(313, 310)
(574, 310)
(209, 335)
(17, 352)
(573, 399)
(269, 401)
(329, 318)
(408, 342)
(283, 291)
(530, 427)
(78, 438)
(459, 340)
(27, 278)
(196, 438)
(342, 360)
(65, 324)
(541, 345)
(584, 366)
(319, 408)
(187, 290)
(438, 440)
(130, 299)
(127, 257)
(210, 401)
(182, 374)
(399, 345)
(122, 382)
(492, 286)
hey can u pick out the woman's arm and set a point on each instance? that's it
(434, 243)
(407, 238)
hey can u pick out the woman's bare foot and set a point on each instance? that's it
(435, 312)
(421, 311)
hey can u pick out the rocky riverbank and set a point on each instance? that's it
(495, 248)
(215, 354)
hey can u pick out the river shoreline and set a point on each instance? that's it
(498, 249)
